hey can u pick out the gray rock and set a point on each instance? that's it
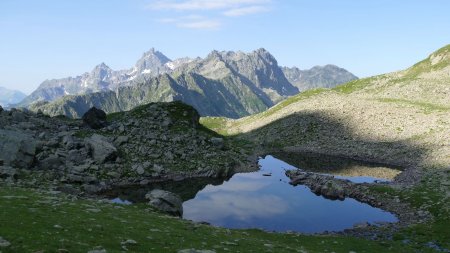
(196, 251)
(1, 109)
(18, 116)
(95, 118)
(17, 149)
(101, 149)
(97, 251)
(90, 188)
(52, 162)
(4, 243)
(218, 142)
(138, 168)
(121, 140)
(68, 142)
(77, 156)
(165, 201)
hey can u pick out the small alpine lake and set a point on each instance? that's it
(264, 199)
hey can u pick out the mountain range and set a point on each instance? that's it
(399, 118)
(8, 96)
(227, 83)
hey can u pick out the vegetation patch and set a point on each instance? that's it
(37, 221)
(426, 107)
(430, 195)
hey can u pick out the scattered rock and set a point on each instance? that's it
(95, 118)
(165, 201)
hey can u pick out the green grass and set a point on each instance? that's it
(216, 124)
(424, 106)
(428, 195)
(355, 85)
(34, 221)
(426, 66)
(302, 96)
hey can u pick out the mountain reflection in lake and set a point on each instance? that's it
(256, 200)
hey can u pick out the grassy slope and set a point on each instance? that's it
(405, 108)
(40, 221)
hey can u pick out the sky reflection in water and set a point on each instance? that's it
(251, 200)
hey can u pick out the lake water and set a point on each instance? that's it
(255, 200)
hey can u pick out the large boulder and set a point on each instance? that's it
(100, 148)
(17, 149)
(165, 201)
(95, 118)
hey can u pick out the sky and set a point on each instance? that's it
(49, 39)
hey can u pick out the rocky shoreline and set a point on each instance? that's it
(339, 189)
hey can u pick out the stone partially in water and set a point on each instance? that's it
(165, 201)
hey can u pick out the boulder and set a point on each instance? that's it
(17, 149)
(95, 118)
(1, 108)
(165, 201)
(52, 162)
(100, 148)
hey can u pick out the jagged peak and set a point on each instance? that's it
(102, 66)
(153, 53)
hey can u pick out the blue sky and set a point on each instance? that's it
(54, 38)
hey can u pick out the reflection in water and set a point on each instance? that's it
(251, 200)
(355, 171)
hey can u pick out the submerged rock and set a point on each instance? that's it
(95, 118)
(165, 201)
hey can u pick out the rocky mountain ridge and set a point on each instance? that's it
(327, 76)
(399, 118)
(226, 83)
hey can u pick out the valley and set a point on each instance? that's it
(58, 174)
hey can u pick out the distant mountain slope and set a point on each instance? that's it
(400, 118)
(8, 96)
(232, 84)
(327, 76)
(101, 78)
(227, 83)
